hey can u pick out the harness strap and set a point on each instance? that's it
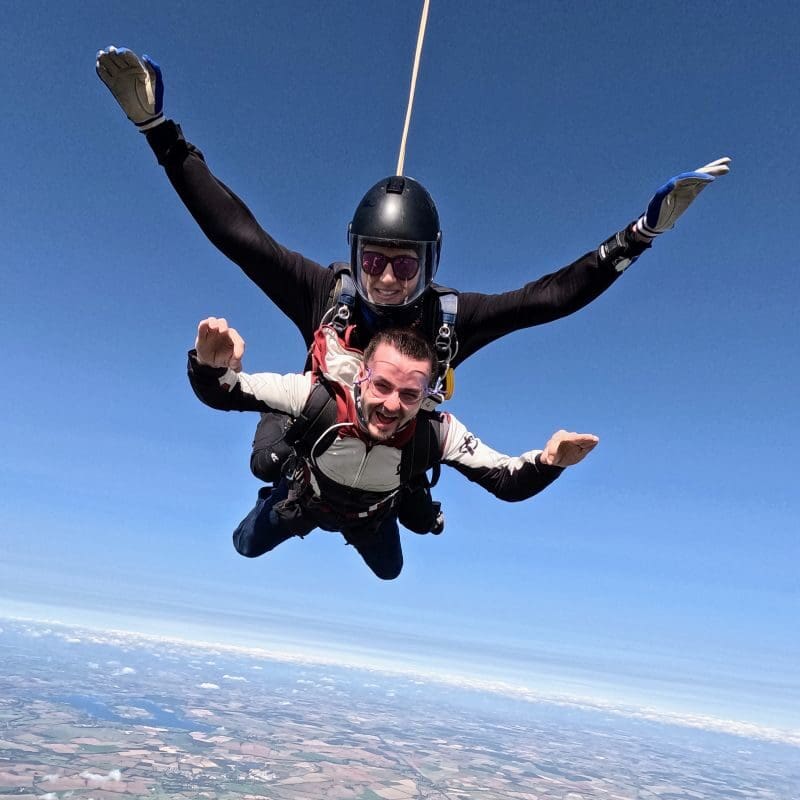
(423, 450)
(318, 414)
(448, 302)
(368, 512)
(445, 340)
(446, 344)
(345, 297)
(446, 347)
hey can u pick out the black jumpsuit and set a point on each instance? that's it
(301, 288)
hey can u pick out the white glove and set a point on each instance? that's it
(675, 196)
(135, 83)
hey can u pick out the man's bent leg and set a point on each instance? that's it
(263, 529)
(417, 510)
(270, 449)
(380, 549)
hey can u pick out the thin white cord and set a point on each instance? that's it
(420, 37)
(336, 425)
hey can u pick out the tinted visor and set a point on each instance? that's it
(410, 264)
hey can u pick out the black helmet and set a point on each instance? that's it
(396, 212)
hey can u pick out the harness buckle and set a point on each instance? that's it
(340, 318)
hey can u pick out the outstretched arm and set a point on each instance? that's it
(507, 477)
(215, 375)
(295, 284)
(484, 318)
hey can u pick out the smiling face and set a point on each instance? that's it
(387, 289)
(392, 389)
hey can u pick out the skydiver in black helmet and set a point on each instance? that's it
(395, 244)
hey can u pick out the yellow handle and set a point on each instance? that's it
(449, 383)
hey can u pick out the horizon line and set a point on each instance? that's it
(522, 693)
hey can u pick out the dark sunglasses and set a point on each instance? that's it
(404, 267)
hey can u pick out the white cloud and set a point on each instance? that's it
(234, 678)
(113, 776)
(207, 686)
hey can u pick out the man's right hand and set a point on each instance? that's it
(135, 83)
(218, 345)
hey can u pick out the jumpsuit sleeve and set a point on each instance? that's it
(509, 478)
(226, 390)
(483, 318)
(298, 286)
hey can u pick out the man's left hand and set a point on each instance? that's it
(676, 195)
(566, 448)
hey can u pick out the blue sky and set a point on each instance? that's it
(662, 570)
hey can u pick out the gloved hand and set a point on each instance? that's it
(675, 196)
(135, 83)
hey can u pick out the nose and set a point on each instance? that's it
(392, 402)
(388, 276)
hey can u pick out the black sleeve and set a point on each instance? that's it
(522, 483)
(206, 386)
(298, 286)
(482, 318)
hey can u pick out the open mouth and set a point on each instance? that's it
(387, 294)
(382, 420)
